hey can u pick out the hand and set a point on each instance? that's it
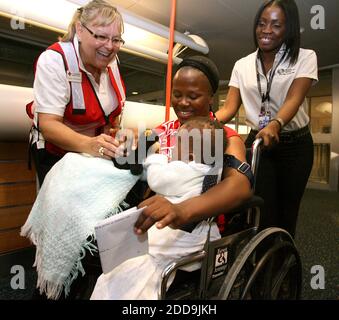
(270, 134)
(105, 146)
(160, 211)
(128, 138)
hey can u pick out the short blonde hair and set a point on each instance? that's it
(100, 11)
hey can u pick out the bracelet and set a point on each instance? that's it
(280, 121)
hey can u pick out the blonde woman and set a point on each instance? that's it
(78, 90)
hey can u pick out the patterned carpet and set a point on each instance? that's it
(317, 240)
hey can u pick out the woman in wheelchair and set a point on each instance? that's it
(194, 84)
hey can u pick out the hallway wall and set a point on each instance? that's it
(17, 194)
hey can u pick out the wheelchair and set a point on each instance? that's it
(246, 263)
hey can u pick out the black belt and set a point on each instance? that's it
(290, 136)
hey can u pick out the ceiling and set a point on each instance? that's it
(226, 26)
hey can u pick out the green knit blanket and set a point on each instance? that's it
(78, 192)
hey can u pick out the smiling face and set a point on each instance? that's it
(271, 29)
(191, 94)
(96, 55)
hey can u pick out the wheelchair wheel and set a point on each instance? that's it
(268, 268)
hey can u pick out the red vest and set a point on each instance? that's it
(93, 111)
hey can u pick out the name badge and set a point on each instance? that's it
(285, 72)
(264, 118)
(73, 77)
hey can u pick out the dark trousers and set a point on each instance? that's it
(43, 161)
(281, 179)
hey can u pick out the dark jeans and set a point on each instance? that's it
(43, 161)
(281, 179)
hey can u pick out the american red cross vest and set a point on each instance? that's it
(92, 110)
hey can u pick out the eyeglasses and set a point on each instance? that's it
(118, 42)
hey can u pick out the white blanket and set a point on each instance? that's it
(175, 180)
(139, 278)
(77, 192)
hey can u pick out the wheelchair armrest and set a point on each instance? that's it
(252, 202)
(175, 265)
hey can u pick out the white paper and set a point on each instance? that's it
(117, 241)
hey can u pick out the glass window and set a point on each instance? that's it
(321, 163)
(145, 79)
(242, 128)
(321, 114)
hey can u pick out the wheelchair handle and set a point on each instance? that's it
(256, 146)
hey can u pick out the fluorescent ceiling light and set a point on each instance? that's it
(156, 28)
(143, 37)
(56, 14)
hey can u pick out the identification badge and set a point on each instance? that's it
(73, 77)
(285, 72)
(264, 119)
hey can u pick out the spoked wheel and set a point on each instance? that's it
(268, 267)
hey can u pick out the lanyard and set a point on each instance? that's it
(266, 96)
